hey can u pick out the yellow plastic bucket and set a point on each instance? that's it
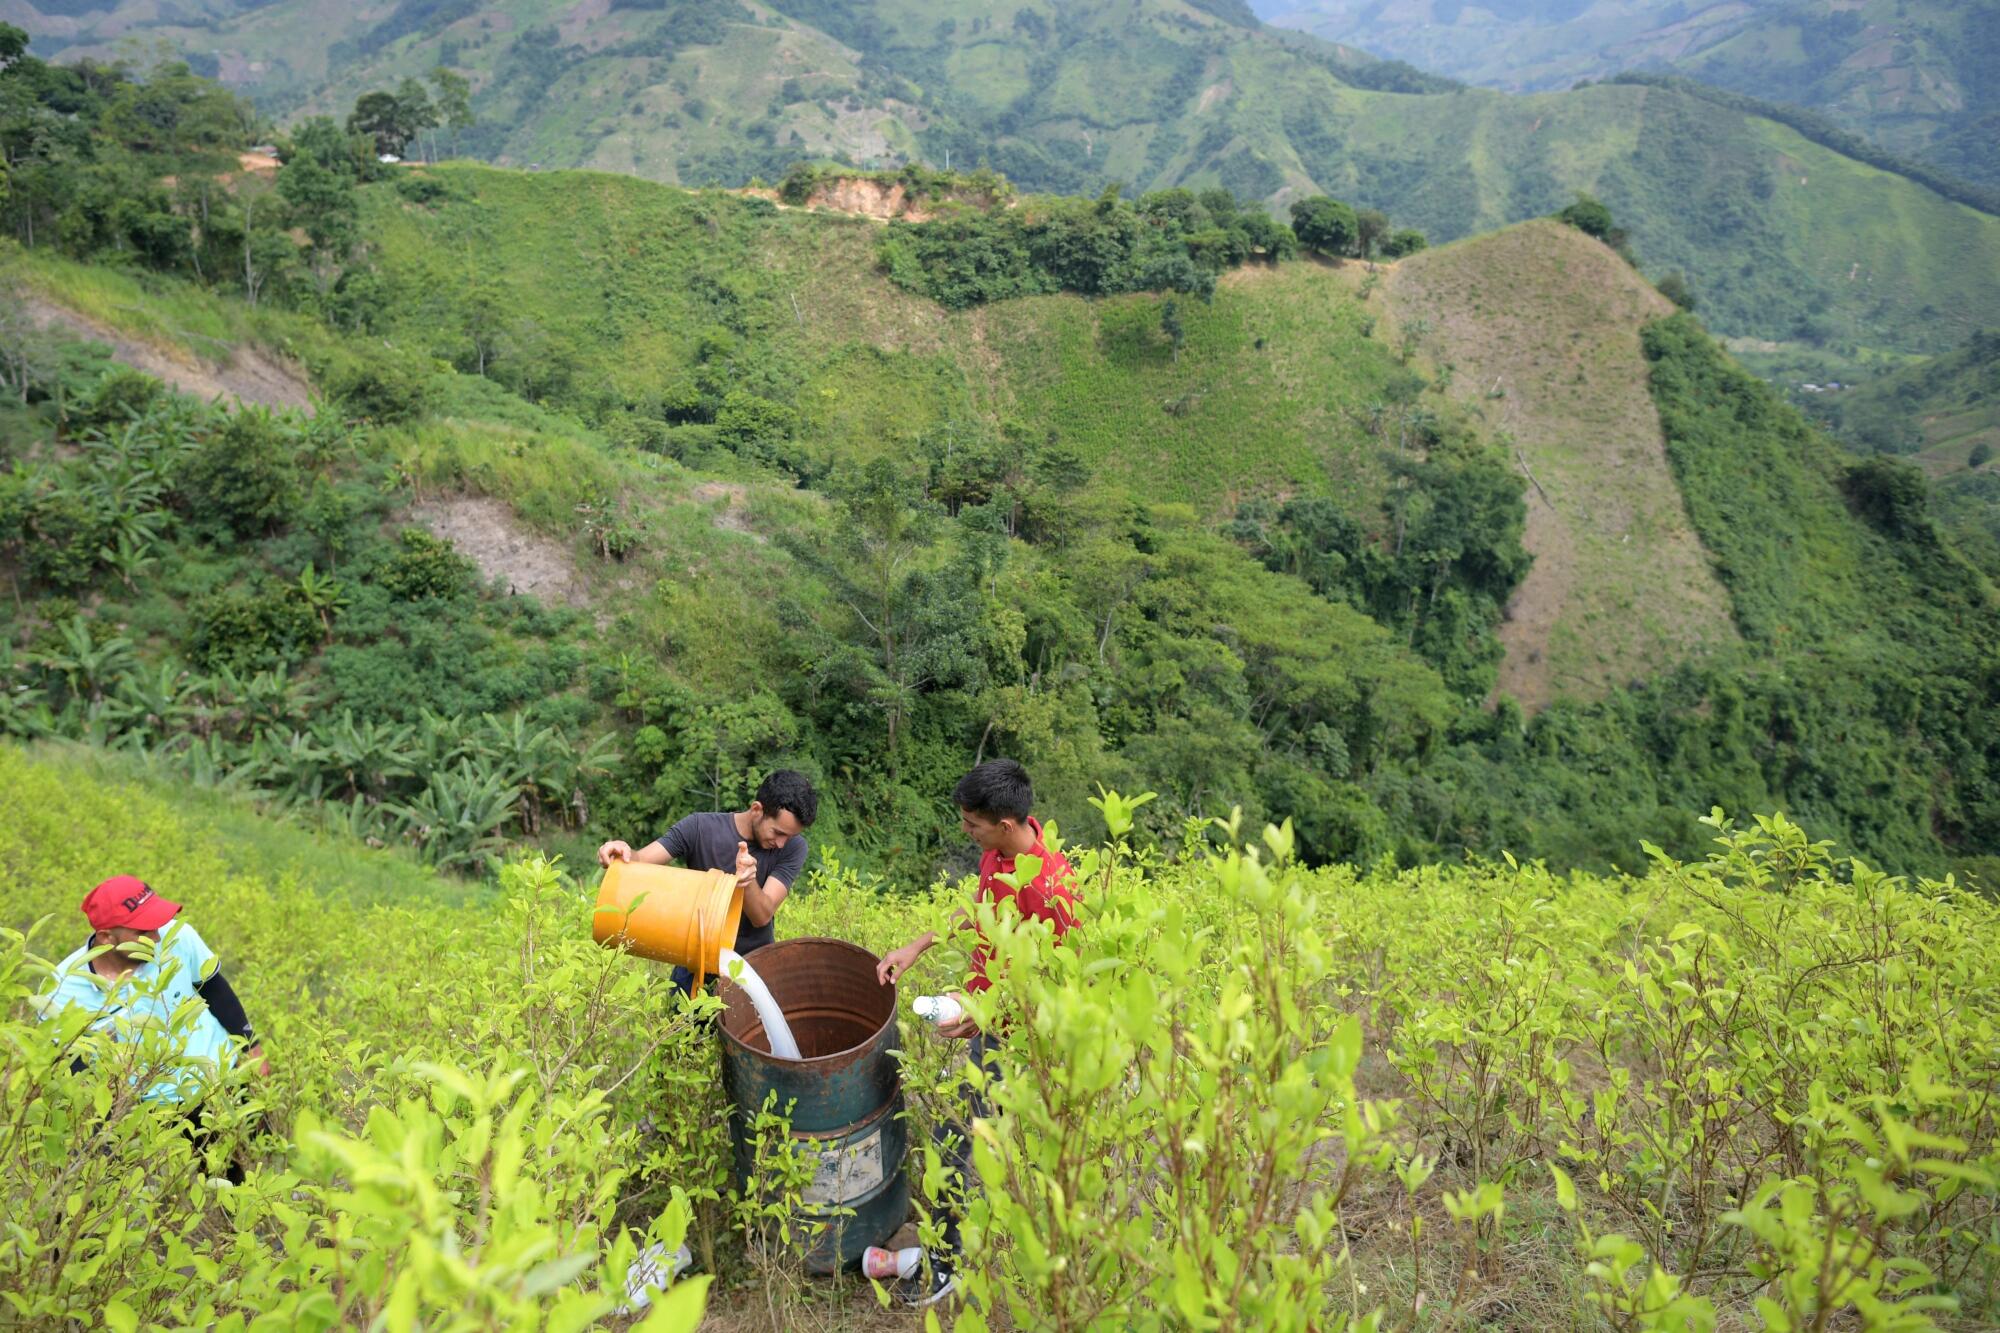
(669, 914)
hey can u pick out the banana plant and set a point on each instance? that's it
(594, 760)
(128, 555)
(272, 698)
(358, 818)
(291, 766)
(24, 712)
(217, 763)
(88, 667)
(530, 757)
(157, 703)
(442, 741)
(366, 755)
(323, 595)
(457, 820)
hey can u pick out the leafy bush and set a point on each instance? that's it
(1406, 241)
(60, 534)
(1172, 240)
(247, 632)
(423, 188)
(1325, 226)
(448, 1182)
(379, 390)
(120, 396)
(425, 567)
(241, 481)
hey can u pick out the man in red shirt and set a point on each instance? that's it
(995, 807)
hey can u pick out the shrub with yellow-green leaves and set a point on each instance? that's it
(453, 1136)
(1758, 1090)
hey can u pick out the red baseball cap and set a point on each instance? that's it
(124, 900)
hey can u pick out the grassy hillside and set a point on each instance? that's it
(639, 291)
(1541, 325)
(1917, 78)
(1818, 247)
(1070, 97)
(1939, 410)
(1419, 1040)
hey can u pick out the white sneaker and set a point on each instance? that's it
(654, 1270)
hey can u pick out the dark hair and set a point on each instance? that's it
(788, 789)
(997, 789)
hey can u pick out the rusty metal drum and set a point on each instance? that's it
(845, 1094)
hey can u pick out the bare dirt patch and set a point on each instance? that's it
(247, 374)
(733, 514)
(857, 197)
(1541, 327)
(486, 531)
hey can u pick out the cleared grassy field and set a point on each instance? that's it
(1541, 326)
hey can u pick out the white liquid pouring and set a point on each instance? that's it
(783, 1046)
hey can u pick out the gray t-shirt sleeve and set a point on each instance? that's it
(791, 860)
(682, 843)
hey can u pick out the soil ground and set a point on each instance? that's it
(486, 531)
(248, 374)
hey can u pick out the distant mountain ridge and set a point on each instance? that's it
(1781, 238)
(1920, 77)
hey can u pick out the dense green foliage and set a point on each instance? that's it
(401, 1167)
(103, 163)
(1865, 700)
(1452, 556)
(85, 149)
(1946, 412)
(1170, 240)
(232, 592)
(1000, 583)
(1577, 1097)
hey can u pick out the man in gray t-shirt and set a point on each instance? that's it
(765, 846)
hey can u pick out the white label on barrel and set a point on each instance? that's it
(847, 1172)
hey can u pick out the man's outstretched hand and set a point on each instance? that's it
(895, 963)
(614, 851)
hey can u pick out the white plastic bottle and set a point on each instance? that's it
(939, 1009)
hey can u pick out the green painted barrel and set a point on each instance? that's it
(845, 1093)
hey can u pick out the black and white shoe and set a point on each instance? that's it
(927, 1288)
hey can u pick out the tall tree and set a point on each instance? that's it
(1324, 225)
(454, 102)
(323, 205)
(415, 113)
(1370, 228)
(380, 116)
(902, 621)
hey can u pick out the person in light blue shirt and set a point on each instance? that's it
(140, 972)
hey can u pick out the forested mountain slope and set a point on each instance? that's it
(1125, 488)
(1919, 77)
(1944, 414)
(1782, 239)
